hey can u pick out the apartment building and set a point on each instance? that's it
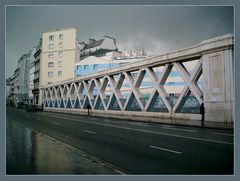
(37, 57)
(58, 57)
(25, 65)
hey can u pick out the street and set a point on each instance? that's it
(126, 147)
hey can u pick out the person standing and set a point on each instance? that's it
(88, 108)
(202, 112)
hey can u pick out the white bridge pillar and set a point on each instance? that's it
(218, 91)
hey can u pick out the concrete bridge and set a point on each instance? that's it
(103, 91)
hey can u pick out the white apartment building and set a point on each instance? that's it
(30, 82)
(24, 64)
(59, 55)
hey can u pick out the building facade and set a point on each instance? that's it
(30, 82)
(135, 51)
(25, 63)
(14, 89)
(58, 57)
(37, 57)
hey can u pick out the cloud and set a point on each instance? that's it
(150, 44)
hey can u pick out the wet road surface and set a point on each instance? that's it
(123, 146)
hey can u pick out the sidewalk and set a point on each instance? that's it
(197, 123)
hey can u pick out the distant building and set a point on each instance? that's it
(59, 54)
(37, 57)
(136, 51)
(31, 81)
(14, 89)
(24, 64)
(94, 64)
(7, 90)
(97, 48)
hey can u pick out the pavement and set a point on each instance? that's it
(132, 147)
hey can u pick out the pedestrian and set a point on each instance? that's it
(202, 112)
(88, 107)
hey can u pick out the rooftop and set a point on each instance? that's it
(62, 29)
(93, 44)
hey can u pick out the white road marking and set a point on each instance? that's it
(224, 134)
(188, 130)
(118, 171)
(89, 131)
(164, 149)
(146, 131)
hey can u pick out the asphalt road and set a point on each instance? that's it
(137, 147)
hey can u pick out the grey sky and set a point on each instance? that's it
(156, 28)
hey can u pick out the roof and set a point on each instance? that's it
(101, 51)
(93, 44)
(60, 29)
(92, 60)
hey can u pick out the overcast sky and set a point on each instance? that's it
(156, 28)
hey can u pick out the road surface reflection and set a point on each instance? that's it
(30, 152)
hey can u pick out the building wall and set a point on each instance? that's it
(68, 57)
(31, 84)
(108, 43)
(134, 52)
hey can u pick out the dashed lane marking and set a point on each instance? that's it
(89, 131)
(147, 131)
(223, 134)
(164, 149)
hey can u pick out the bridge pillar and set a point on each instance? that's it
(218, 90)
(40, 97)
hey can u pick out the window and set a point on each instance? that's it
(49, 82)
(51, 46)
(59, 73)
(59, 63)
(50, 64)
(60, 54)
(51, 38)
(95, 66)
(50, 55)
(61, 37)
(85, 67)
(60, 44)
(50, 74)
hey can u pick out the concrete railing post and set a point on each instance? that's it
(218, 85)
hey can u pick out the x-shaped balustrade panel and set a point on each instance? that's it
(158, 85)
(191, 82)
(115, 86)
(60, 96)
